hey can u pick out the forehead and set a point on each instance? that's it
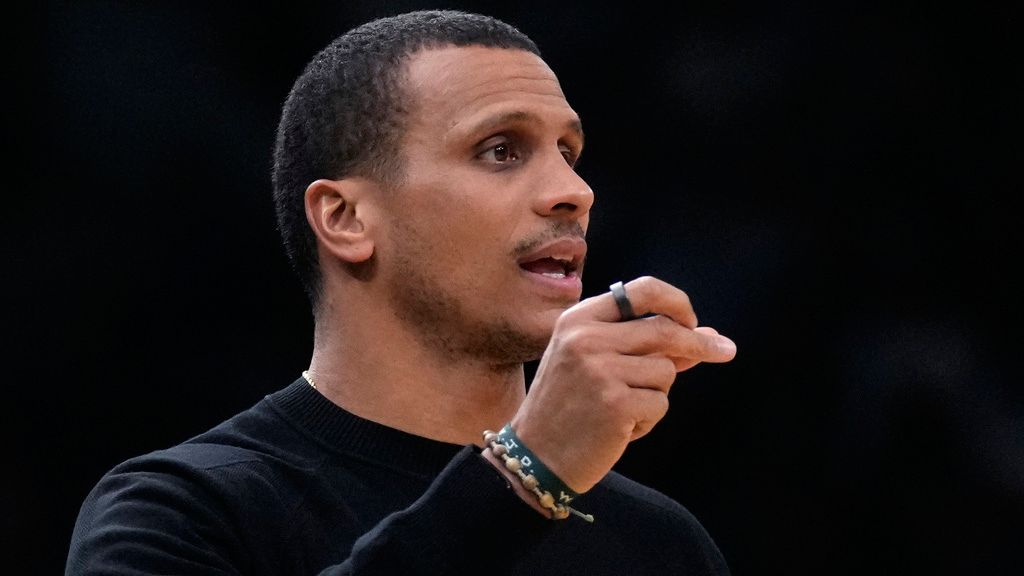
(452, 86)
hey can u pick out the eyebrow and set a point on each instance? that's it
(488, 124)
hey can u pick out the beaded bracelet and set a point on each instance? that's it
(534, 475)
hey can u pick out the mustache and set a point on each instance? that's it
(557, 230)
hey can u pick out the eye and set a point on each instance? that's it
(569, 154)
(500, 153)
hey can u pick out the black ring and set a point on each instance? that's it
(622, 301)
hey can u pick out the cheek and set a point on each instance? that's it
(476, 242)
(450, 241)
(477, 217)
(472, 225)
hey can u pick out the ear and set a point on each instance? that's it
(341, 214)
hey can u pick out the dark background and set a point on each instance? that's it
(830, 184)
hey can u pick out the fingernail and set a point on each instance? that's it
(726, 346)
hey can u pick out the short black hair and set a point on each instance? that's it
(346, 113)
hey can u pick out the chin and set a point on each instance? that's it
(540, 333)
(508, 343)
(543, 323)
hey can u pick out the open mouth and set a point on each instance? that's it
(552, 267)
(557, 260)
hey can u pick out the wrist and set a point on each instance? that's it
(513, 480)
(521, 463)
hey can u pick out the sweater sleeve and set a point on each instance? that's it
(452, 529)
(170, 518)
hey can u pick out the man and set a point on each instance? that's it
(426, 194)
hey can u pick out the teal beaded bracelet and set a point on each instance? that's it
(535, 476)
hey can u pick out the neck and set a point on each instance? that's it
(375, 368)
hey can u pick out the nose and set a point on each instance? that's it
(561, 191)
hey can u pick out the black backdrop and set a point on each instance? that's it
(829, 183)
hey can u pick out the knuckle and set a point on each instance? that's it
(591, 368)
(644, 285)
(661, 406)
(666, 373)
(665, 330)
(566, 319)
(611, 398)
(576, 342)
(685, 299)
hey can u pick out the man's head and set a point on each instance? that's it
(347, 111)
(431, 155)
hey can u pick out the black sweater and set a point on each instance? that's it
(296, 485)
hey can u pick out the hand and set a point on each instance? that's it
(603, 383)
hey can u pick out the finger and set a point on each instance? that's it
(684, 364)
(661, 336)
(726, 346)
(648, 295)
(650, 406)
(651, 372)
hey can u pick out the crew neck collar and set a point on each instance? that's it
(342, 431)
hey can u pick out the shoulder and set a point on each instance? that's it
(208, 466)
(194, 478)
(188, 503)
(253, 455)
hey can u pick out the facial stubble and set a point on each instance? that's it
(438, 317)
